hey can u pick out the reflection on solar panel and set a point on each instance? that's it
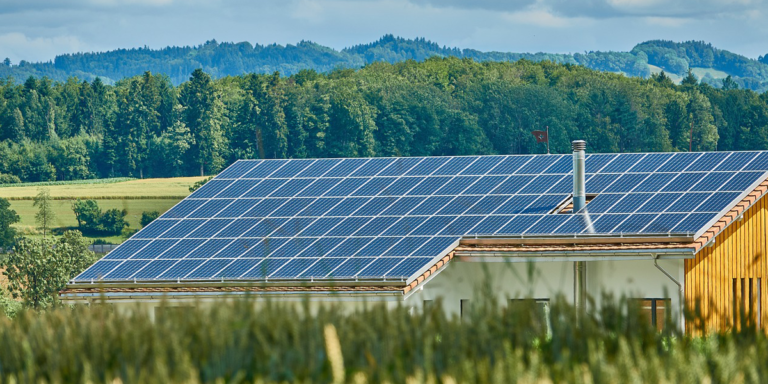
(389, 218)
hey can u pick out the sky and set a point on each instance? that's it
(38, 30)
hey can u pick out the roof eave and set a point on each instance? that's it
(573, 255)
(112, 297)
(579, 239)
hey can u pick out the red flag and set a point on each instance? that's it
(541, 136)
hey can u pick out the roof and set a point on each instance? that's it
(395, 219)
(533, 246)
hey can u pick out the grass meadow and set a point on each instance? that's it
(135, 196)
(241, 342)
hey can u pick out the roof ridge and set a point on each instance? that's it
(729, 217)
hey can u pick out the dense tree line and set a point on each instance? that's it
(233, 59)
(144, 126)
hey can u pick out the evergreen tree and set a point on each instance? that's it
(17, 126)
(729, 84)
(203, 117)
(690, 79)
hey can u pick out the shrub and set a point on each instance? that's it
(113, 221)
(148, 217)
(9, 306)
(87, 214)
(101, 242)
(199, 184)
(39, 268)
(91, 219)
(9, 179)
(70, 182)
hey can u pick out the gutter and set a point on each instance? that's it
(87, 297)
(231, 284)
(582, 238)
(528, 256)
(680, 290)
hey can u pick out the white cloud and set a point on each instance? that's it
(667, 21)
(309, 10)
(18, 46)
(37, 30)
(540, 18)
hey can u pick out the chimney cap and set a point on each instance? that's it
(579, 145)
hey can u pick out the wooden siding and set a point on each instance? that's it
(726, 276)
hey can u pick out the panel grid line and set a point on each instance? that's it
(384, 217)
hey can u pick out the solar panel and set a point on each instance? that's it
(679, 162)
(237, 188)
(345, 167)
(264, 169)
(483, 165)
(626, 183)
(455, 165)
(606, 223)
(622, 163)
(391, 217)
(651, 162)
(598, 183)
(596, 162)
(318, 168)
(509, 165)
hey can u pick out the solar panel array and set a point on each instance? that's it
(389, 218)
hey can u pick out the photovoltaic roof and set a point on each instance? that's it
(390, 218)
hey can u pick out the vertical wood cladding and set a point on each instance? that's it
(727, 279)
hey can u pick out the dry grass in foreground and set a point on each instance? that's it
(242, 342)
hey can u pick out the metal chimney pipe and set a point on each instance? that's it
(579, 202)
(579, 194)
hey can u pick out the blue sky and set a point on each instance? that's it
(37, 30)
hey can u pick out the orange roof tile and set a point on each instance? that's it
(729, 217)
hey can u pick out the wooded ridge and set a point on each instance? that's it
(232, 59)
(144, 126)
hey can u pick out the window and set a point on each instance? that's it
(537, 308)
(746, 301)
(655, 310)
(566, 207)
(759, 304)
(464, 308)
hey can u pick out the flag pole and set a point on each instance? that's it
(547, 139)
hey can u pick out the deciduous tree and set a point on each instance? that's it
(38, 269)
(45, 214)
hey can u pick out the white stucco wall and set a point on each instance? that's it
(545, 280)
(462, 280)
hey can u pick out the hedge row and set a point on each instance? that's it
(69, 182)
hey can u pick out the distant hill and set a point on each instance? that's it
(710, 64)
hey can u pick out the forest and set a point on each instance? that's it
(221, 59)
(144, 126)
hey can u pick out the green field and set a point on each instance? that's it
(701, 72)
(173, 188)
(655, 70)
(135, 196)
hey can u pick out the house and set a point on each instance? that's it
(664, 228)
